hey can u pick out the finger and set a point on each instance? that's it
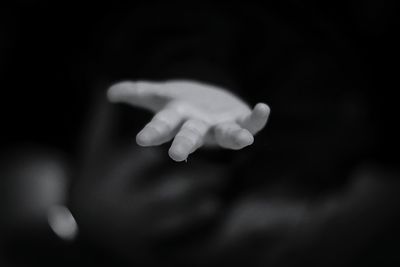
(141, 94)
(160, 129)
(257, 118)
(189, 138)
(231, 135)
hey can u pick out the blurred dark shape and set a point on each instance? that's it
(33, 182)
(141, 202)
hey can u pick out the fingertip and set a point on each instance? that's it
(262, 110)
(115, 92)
(244, 138)
(177, 153)
(141, 140)
(240, 139)
(146, 137)
(112, 95)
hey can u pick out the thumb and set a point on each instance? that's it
(143, 94)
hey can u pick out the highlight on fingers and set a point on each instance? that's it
(233, 136)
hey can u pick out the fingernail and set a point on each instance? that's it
(177, 153)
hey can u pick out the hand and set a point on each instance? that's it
(193, 114)
(128, 205)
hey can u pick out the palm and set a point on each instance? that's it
(191, 113)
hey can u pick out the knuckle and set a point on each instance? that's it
(191, 125)
(166, 115)
(195, 127)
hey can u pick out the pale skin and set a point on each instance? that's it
(192, 114)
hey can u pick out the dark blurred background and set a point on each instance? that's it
(328, 70)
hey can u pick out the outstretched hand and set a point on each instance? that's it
(193, 114)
